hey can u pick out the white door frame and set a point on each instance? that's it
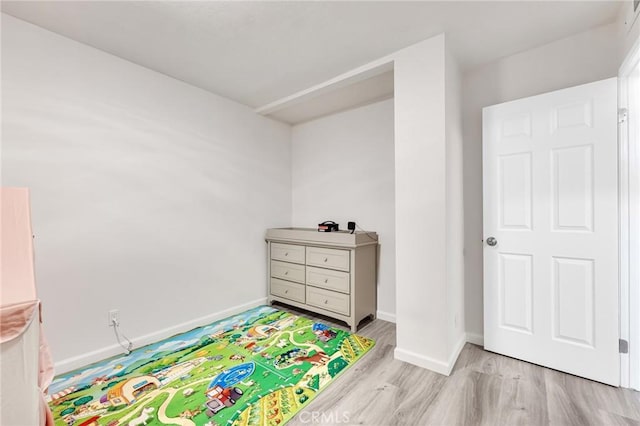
(629, 170)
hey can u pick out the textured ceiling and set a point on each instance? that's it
(259, 52)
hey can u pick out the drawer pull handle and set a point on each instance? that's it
(286, 272)
(326, 280)
(325, 259)
(326, 301)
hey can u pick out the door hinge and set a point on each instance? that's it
(623, 346)
(622, 115)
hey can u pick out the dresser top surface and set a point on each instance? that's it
(312, 236)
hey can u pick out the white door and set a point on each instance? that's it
(551, 207)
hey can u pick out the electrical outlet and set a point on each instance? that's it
(114, 316)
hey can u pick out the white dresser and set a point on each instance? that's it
(330, 273)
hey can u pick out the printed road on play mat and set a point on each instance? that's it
(257, 368)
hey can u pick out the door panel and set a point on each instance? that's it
(574, 309)
(572, 188)
(550, 200)
(515, 191)
(577, 114)
(516, 291)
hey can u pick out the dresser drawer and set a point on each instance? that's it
(329, 300)
(328, 258)
(328, 279)
(287, 252)
(287, 289)
(287, 271)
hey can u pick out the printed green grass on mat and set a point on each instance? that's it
(257, 368)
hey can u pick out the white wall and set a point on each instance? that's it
(148, 195)
(579, 59)
(427, 147)
(425, 258)
(343, 170)
(455, 208)
(628, 24)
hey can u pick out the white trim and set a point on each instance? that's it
(386, 316)
(475, 338)
(624, 233)
(429, 363)
(629, 169)
(72, 363)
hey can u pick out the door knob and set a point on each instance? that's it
(492, 241)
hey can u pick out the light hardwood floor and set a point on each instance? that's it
(483, 389)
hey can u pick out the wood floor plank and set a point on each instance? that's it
(484, 388)
(464, 399)
(563, 403)
(417, 389)
(611, 419)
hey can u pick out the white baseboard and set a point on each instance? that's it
(429, 363)
(386, 316)
(72, 363)
(421, 361)
(475, 338)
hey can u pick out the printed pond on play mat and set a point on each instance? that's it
(256, 368)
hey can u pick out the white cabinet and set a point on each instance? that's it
(330, 273)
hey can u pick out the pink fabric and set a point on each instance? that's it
(18, 300)
(17, 276)
(15, 318)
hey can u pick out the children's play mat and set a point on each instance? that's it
(256, 368)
